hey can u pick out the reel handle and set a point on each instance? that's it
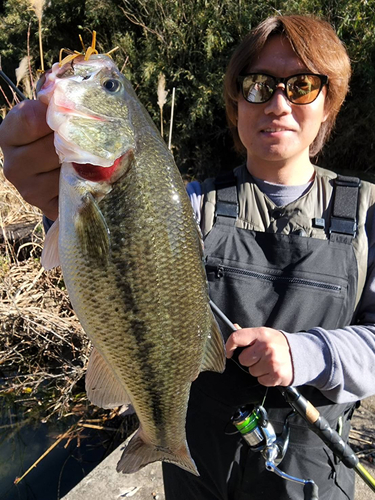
(310, 491)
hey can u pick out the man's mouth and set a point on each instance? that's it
(276, 129)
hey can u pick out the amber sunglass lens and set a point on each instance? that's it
(257, 88)
(303, 89)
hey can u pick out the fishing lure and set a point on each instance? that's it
(86, 53)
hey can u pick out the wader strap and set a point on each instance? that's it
(344, 212)
(226, 208)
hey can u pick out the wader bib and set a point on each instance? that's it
(289, 282)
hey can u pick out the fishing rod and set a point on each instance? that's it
(12, 86)
(257, 420)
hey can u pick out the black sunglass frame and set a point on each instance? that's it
(323, 81)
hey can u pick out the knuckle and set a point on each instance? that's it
(12, 173)
(236, 336)
(273, 356)
(271, 380)
(23, 123)
(30, 115)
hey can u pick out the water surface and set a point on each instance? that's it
(23, 441)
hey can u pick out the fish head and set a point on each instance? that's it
(91, 108)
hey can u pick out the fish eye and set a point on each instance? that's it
(112, 85)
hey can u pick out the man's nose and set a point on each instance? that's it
(279, 103)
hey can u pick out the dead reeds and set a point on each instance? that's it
(43, 350)
(38, 6)
(162, 99)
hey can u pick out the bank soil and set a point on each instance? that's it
(362, 440)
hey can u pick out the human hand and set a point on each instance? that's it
(30, 160)
(266, 354)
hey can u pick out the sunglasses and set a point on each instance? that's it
(258, 88)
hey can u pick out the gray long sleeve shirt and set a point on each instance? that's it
(341, 362)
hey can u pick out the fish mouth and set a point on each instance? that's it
(69, 109)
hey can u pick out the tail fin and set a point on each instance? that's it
(138, 454)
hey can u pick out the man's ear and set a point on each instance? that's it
(326, 110)
(326, 115)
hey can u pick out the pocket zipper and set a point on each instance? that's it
(222, 270)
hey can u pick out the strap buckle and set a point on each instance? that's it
(343, 226)
(344, 211)
(226, 209)
(348, 181)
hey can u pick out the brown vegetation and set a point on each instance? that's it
(43, 350)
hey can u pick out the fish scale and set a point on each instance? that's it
(131, 256)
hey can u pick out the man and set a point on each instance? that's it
(282, 262)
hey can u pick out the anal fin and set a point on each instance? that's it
(102, 387)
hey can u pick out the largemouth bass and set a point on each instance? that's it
(131, 257)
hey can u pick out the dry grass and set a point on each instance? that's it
(43, 350)
(12, 206)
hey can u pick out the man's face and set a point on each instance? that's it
(278, 133)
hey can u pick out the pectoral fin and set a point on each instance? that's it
(50, 255)
(214, 352)
(102, 387)
(92, 230)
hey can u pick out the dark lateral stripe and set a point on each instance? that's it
(151, 373)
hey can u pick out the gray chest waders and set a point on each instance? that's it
(288, 282)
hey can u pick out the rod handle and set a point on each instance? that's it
(333, 440)
(320, 426)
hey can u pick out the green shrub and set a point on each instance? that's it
(190, 43)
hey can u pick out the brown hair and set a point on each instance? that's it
(316, 44)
